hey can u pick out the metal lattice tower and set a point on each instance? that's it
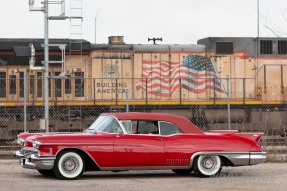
(76, 46)
(76, 20)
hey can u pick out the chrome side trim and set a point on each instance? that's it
(237, 158)
(143, 168)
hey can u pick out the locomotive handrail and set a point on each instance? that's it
(105, 91)
(268, 65)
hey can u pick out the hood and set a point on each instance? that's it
(29, 137)
(75, 138)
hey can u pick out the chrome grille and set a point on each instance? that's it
(28, 153)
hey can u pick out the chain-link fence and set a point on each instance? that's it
(212, 104)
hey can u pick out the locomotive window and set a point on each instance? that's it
(2, 84)
(12, 88)
(282, 46)
(39, 84)
(32, 85)
(49, 84)
(21, 84)
(58, 86)
(68, 86)
(79, 84)
(266, 46)
(224, 47)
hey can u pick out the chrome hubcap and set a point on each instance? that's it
(70, 165)
(208, 163)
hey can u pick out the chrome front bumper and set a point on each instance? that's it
(35, 162)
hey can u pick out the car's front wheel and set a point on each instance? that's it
(208, 165)
(69, 165)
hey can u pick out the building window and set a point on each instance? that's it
(2, 84)
(282, 46)
(224, 47)
(266, 47)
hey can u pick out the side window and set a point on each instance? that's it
(148, 127)
(167, 128)
(112, 127)
(128, 126)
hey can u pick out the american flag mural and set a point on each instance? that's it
(195, 73)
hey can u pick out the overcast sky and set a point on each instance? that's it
(176, 21)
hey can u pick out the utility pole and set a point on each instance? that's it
(46, 57)
(46, 50)
(46, 64)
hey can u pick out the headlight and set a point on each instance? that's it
(20, 141)
(36, 144)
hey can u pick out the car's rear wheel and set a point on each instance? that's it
(69, 165)
(46, 172)
(182, 171)
(208, 165)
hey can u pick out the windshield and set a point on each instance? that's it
(106, 124)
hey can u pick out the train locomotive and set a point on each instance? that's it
(197, 81)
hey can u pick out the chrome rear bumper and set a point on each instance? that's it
(238, 158)
(257, 157)
(249, 158)
(35, 162)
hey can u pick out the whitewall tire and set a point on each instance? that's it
(208, 165)
(69, 165)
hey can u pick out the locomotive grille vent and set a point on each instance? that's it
(266, 47)
(282, 46)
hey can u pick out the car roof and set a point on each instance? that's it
(183, 123)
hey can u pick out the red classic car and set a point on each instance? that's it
(136, 141)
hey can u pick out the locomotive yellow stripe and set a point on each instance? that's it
(111, 103)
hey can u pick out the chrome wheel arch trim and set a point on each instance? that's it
(76, 148)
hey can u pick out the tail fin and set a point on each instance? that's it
(252, 136)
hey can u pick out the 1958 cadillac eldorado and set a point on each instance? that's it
(137, 141)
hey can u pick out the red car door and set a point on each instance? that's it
(101, 149)
(136, 150)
